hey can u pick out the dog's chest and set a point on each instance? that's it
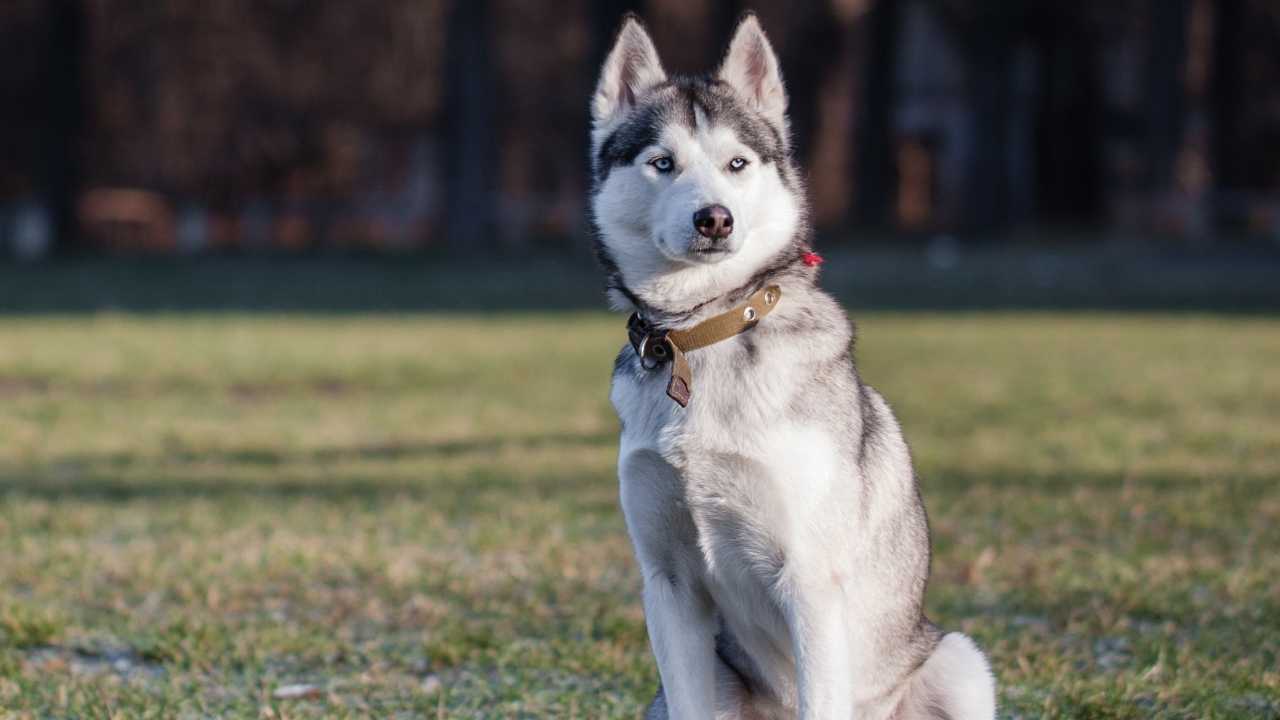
(749, 475)
(755, 481)
(722, 416)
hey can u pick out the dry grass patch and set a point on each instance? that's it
(329, 516)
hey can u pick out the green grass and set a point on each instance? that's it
(417, 514)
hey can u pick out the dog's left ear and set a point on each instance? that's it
(751, 68)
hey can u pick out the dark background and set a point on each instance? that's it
(458, 130)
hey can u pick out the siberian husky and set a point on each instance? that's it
(768, 491)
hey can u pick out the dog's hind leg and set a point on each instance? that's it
(955, 683)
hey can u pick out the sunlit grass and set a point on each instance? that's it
(416, 514)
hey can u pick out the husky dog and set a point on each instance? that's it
(776, 518)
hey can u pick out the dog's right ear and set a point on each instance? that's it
(631, 69)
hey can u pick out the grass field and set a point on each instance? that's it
(308, 515)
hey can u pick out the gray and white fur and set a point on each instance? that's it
(777, 520)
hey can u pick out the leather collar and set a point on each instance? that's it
(657, 346)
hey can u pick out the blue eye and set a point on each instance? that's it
(662, 164)
(737, 163)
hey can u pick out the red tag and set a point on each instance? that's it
(812, 259)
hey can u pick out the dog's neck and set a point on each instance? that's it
(675, 300)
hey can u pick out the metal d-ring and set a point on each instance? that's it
(659, 352)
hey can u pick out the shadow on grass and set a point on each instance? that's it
(389, 452)
(443, 493)
(303, 474)
(320, 474)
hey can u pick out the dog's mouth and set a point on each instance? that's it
(709, 252)
(709, 255)
(698, 253)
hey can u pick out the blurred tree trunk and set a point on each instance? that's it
(1166, 93)
(470, 140)
(812, 53)
(985, 31)
(62, 138)
(1229, 148)
(987, 187)
(1070, 128)
(875, 165)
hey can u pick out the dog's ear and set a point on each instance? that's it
(751, 68)
(631, 69)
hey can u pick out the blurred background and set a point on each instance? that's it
(425, 126)
(304, 361)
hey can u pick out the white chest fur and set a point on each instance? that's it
(756, 486)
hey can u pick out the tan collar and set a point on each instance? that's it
(656, 346)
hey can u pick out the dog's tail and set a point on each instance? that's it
(955, 683)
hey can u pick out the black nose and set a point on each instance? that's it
(713, 221)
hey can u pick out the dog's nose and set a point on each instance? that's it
(713, 221)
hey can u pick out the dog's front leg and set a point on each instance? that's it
(820, 638)
(677, 609)
(682, 633)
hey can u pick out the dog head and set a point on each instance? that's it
(695, 188)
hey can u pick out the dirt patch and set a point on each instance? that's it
(123, 662)
(12, 387)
